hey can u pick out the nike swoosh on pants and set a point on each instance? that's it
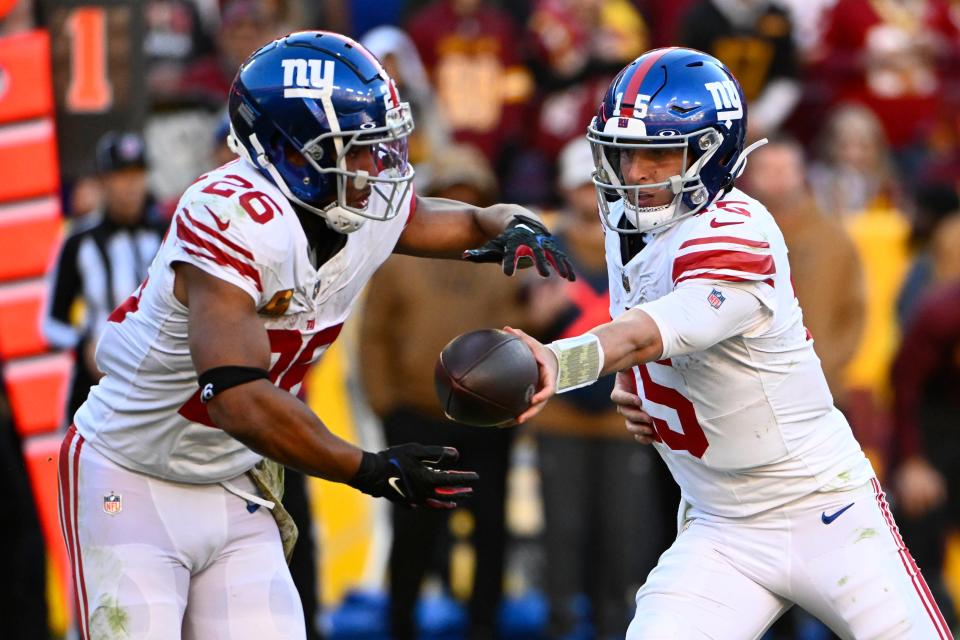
(828, 519)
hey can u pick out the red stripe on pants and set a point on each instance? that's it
(69, 502)
(939, 623)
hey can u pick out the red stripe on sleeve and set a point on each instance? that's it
(217, 235)
(724, 259)
(216, 254)
(758, 244)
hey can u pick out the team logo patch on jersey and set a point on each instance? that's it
(112, 503)
(278, 304)
(715, 298)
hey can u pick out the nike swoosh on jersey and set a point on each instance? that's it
(828, 519)
(223, 226)
(717, 224)
(395, 483)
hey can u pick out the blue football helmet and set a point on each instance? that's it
(670, 98)
(302, 104)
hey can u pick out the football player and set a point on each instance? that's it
(165, 501)
(715, 369)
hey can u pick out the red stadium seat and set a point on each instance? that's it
(25, 89)
(30, 234)
(28, 160)
(21, 311)
(38, 391)
(41, 454)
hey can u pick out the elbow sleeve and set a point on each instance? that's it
(695, 317)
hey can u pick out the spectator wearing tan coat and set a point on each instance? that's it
(827, 274)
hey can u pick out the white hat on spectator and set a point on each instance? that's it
(391, 41)
(575, 164)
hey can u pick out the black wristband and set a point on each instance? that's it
(219, 379)
(369, 475)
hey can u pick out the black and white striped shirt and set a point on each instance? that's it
(101, 262)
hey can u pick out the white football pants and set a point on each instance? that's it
(731, 578)
(153, 559)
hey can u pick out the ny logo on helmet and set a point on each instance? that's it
(298, 83)
(726, 97)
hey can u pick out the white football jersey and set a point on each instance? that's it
(749, 423)
(146, 413)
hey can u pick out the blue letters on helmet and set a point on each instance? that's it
(671, 98)
(302, 104)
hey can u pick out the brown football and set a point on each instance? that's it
(485, 378)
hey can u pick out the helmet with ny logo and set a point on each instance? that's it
(317, 114)
(672, 101)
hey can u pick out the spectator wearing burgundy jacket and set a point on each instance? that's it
(474, 58)
(926, 438)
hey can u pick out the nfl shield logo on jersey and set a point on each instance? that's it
(112, 503)
(715, 298)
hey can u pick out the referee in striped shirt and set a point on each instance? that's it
(105, 259)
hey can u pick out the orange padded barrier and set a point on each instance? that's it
(38, 390)
(6, 6)
(21, 311)
(28, 160)
(42, 455)
(25, 89)
(30, 234)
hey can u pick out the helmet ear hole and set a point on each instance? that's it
(292, 155)
(727, 159)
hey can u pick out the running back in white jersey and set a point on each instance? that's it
(146, 413)
(749, 423)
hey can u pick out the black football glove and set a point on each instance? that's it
(401, 474)
(524, 238)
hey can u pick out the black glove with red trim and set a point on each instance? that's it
(404, 474)
(525, 240)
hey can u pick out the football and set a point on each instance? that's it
(485, 378)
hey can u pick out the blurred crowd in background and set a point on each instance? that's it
(860, 100)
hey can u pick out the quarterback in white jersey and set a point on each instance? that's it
(163, 474)
(716, 370)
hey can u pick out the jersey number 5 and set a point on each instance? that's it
(692, 438)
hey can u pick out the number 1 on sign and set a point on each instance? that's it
(89, 89)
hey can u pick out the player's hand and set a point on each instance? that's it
(548, 366)
(629, 405)
(406, 474)
(523, 242)
(919, 487)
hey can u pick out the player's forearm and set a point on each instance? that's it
(441, 228)
(278, 426)
(489, 221)
(494, 219)
(632, 339)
